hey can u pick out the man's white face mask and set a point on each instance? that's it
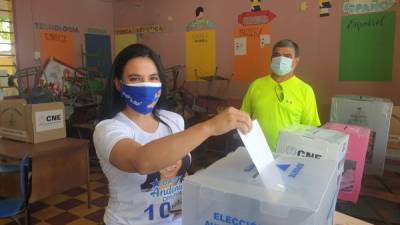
(281, 65)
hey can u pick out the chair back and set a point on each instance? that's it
(26, 178)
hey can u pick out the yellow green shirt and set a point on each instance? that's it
(297, 105)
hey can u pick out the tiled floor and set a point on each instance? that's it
(71, 207)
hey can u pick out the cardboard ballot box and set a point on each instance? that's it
(231, 192)
(350, 186)
(370, 112)
(313, 142)
(33, 123)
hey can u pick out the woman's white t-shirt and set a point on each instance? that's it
(139, 199)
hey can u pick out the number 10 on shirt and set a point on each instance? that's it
(165, 207)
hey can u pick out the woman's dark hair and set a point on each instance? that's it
(112, 102)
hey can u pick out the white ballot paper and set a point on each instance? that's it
(262, 157)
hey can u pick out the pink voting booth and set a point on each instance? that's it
(350, 186)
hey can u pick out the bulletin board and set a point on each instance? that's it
(252, 52)
(123, 40)
(367, 46)
(58, 45)
(98, 58)
(200, 54)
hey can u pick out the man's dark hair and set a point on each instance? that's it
(287, 44)
(199, 10)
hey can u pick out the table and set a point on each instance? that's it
(57, 166)
(343, 219)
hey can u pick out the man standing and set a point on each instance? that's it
(281, 99)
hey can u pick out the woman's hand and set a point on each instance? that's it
(228, 120)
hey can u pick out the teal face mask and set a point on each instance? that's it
(281, 65)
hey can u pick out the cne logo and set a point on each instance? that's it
(291, 150)
(51, 118)
(305, 154)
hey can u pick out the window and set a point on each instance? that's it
(7, 46)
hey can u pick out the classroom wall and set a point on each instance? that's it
(319, 40)
(84, 14)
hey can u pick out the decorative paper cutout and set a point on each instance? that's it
(324, 6)
(255, 63)
(253, 18)
(366, 6)
(265, 39)
(56, 27)
(200, 23)
(98, 60)
(303, 6)
(93, 30)
(125, 31)
(255, 5)
(200, 54)
(58, 45)
(240, 46)
(153, 28)
(367, 47)
(123, 40)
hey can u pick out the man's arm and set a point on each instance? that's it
(246, 103)
(310, 111)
